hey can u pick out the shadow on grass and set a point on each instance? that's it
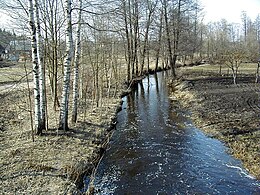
(83, 130)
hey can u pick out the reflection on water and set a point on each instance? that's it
(157, 150)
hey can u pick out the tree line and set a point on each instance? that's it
(94, 46)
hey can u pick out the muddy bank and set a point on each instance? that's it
(225, 111)
(57, 161)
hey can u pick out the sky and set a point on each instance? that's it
(215, 10)
(4, 21)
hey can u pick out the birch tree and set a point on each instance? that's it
(76, 67)
(41, 67)
(63, 121)
(37, 110)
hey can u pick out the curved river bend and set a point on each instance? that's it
(157, 150)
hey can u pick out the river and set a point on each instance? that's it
(156, 149)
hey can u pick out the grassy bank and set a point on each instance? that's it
(223, 110)
(57, 161)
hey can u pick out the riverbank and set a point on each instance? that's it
(225, 111)
(57, 161)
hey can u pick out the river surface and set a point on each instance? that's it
(157, 150)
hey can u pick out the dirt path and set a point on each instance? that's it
(228, 112)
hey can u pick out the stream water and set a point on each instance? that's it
(157, 150)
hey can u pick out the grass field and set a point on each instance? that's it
(245, 68)
(12, 72)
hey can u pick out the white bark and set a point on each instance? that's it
(63, 123)
(37, 111)
(76, 68)
(41, 67)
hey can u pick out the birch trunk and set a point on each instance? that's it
(37, 110)
(41, 68)
(76, 68)
(63, 121)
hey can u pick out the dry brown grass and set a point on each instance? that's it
(56, 161)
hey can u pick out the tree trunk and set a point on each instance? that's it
(257, 73)
(63, 121)
(136, 37)
(41, 68)
(145, 42)
(169, 40)
(234, 75)
(37, 110)
(76, 68)
(129, 56)
(220, 69)
(159, 43)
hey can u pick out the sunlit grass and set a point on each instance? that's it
(15, 72)
(244, 68)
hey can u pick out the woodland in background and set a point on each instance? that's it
(86, 49)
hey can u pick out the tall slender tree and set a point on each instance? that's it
(151, 5)
(37, 110)
(76, 67)
(63, 121)
(168, 37)
(41, 67)
(128, 35)
(159, 40)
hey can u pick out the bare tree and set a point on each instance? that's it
(257, 71)
(53, 34)
(42, 86)
(128, 35)
(168, 36)
(76, 67)
(37, 109)
(244, 18)
(63, 121)
(159, 41)
(234, 56)
(151, 5)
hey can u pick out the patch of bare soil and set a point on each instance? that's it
(226, 111)
(57, 161)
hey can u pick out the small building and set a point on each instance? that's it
(19, 50)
